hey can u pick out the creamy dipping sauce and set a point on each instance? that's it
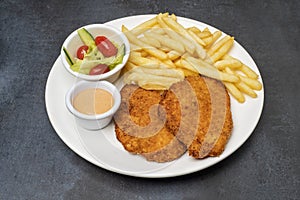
(93, 101)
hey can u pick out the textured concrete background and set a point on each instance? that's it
(36, 164)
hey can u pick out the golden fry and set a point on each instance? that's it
(178, 63)
(151, 41)
(149, 49)
(183, 32)
(197, 38)
(233, 64)
(166, 41)
(173, 16)
(145, 25)
(169, 63)
(175, 73)
(198, 61)
(234, 91)
(134, 47)
(161, 64)
(144, 53)
(213, 72)
(228, 57)
(189, 46)
(248, 71)
(252, 83)
(246, 89)
(188, 72)
(208, 40)
(158, 30)
(177, 27)
(173, 55)
(188, 66)
(204, 34)
(215, 36)
(222, 50)
(129, 66)
(138, 60)
(242, 86)
(244, 68)
(165, 49)
(217, 45)
(194, 29)
(143, 79)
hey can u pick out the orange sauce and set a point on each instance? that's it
(93, 101)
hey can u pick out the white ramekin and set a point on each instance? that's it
(93, 122)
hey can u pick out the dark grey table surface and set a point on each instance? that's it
(36, 164)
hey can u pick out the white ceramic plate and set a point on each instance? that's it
(102, 148)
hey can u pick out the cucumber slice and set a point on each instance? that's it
(86, 37)
(69, 58)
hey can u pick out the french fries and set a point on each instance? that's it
(173, 55)
(189, 46)
(151, 41)
(163, 52)
(215, 36)
(218, 45)
(137, 59)
(242, 86)
(252, 83)
(147, 81)
(233, 64)
(150, 49)
(175, 73)
(195, 37)
(235, 92)
(222, 50)
(166, 41)
(209, 71)
(145, 25)
(183, 32)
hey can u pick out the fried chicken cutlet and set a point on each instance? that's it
(215, 122)
(194, 114)
(139, 128)
(213, 116)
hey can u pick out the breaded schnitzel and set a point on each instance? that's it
(194, 114)
(146, 133)
(215, 122)
(206, 127)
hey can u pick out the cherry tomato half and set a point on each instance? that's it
(99, 69)
(81, 51)
(105, 46)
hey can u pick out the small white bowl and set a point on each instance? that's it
(98, 121)
(73, 42)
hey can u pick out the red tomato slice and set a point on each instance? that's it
(105, 46)
(81, 51)
(100, 39)
(99, 69)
